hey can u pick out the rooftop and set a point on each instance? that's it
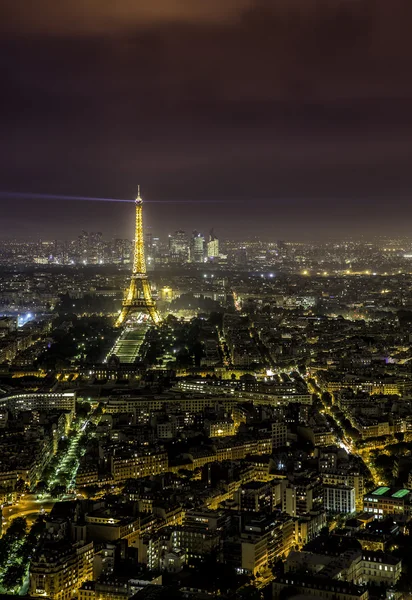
(380, 491)
(388, 492)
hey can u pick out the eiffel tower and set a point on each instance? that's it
(138, 296)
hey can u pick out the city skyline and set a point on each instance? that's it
(55, 219)
(164, 236)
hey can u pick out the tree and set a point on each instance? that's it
(90, 491)
(62, 478)
(82, 409)
(327, 399)
(64, 444)
(216, 318)
(13, 577)
(99, 410)
(17, 529)
(25, 551)
(40, 487)
(57, 490)
(38, 526)
(5, 544)
(185, 474)
(20, 485)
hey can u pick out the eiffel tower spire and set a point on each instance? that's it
(138, 297)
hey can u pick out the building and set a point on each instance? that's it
(339, 499)
(302, 495)
(386, 501)
(132, 465)
(371, 427)
(279, 434)
(387, 387)
(219, 427)
(7, 325)
(206, 520)
(87, 474)
(319, 587)
(197, 248)
(212, 246)
(255, 496)
(309, 526)
(352, 565)
(105, 526)
(58, 569)
(319, 436)
(380, 568)
(40, 401)
(193, 542)
(152, 250)
(264, 540)
(378, 534)
(110, 587)
(349, 477)
(179, 247)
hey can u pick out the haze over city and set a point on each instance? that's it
(303, 106)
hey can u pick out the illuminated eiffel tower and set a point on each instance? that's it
(138, 296)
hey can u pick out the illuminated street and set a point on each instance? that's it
(29, 506)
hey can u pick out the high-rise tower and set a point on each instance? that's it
(138, 297)
(212, 245)
(197, 248)
(179, 247)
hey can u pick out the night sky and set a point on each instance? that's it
(296, 113)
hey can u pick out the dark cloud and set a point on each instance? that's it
(55, 17)
(302, 105)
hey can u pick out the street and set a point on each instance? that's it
(28, 507)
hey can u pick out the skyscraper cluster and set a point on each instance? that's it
(195, 248)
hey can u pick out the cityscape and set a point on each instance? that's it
(247, 411)
(206, 300)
